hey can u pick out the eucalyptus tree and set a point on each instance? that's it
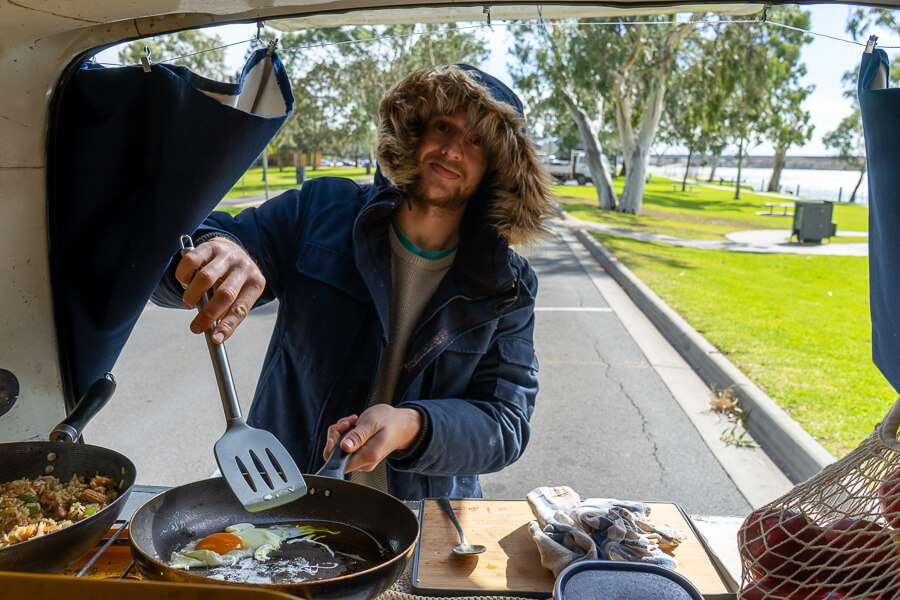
(558, 72)
(628, 64)
(200, 52)
(742, 73)
(695, 104)
(787, 121)
(646, 56)
(847, 139)
(316, 109)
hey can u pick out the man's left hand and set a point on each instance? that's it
(380, 430)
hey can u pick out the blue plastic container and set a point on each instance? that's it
(620, 580)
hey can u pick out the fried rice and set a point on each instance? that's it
(32, 507)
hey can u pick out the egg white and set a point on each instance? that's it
(257, 542)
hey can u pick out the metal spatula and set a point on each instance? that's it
(256, 466)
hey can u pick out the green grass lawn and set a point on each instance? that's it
(797, 325)
(706, 213)
(252, 182)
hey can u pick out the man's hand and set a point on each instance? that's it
(379, 430)
(238, 284)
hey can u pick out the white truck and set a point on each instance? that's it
(565, 170)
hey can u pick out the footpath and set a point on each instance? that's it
(761, 240)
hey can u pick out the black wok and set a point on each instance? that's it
(169, 521)
(52, 552)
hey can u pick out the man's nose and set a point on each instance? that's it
(453, 147)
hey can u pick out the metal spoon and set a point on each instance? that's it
(464, 548)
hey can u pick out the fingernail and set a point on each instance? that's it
(183, 285)
(349, 444)
(218, 337)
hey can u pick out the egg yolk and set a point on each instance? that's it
(220, 543)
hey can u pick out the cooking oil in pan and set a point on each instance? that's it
(332, 550)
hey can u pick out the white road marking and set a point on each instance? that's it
(572, 309)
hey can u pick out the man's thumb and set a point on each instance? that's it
(355, 438)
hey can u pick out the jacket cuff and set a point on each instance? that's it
(214, 234)
(414, 450)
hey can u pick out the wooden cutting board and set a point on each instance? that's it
(511, 563)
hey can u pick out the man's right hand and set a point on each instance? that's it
(236, 282)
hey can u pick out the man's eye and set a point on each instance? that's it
(476, 140)
(441, 126)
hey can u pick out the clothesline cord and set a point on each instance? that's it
(289, 51)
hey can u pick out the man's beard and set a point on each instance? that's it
(451, 201)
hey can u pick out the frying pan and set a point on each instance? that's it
(182, 514)
(52, 552)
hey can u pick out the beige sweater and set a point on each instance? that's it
(414, 280)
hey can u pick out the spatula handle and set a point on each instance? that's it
(336, 464)
(217, 353)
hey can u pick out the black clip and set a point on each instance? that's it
(487, 11)
(765, 12)
(271, 49)
(870, 45)
(145, 59)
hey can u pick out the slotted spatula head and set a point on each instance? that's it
(257, 467)
(254, 464)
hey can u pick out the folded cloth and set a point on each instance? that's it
(569, 529)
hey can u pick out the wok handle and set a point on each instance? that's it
(218, 355)
(336, 464)
(94, 399)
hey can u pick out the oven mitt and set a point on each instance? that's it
(568, 529)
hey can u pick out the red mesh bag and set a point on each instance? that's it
(835, 536)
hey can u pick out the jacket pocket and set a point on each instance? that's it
(333, 268)
(518, 352)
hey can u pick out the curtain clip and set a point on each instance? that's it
(259, 27)
(145, 59)
(870, 45)
(487, 11)
(765, 12)
(271, 49)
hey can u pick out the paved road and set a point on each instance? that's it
(618, 416)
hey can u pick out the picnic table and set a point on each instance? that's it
(689, 186)
(784, 206)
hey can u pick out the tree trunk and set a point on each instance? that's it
(714, 164)
(777, 168)
(637, 149)
(606, 193)
(687, 168)
(737, 184)
(633, 194)
(371, 154)
(858, 183)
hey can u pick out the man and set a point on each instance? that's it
(404, 317)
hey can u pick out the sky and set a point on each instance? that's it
(826, 61)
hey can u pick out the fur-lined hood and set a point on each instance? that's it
(517, 184)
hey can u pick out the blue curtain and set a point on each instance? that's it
(136, 158)
(880, 107)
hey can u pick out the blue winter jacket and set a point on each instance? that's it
(470, 366)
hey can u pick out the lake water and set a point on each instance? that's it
(812, 183)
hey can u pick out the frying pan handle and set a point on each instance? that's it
(94, 399)
(336, 463)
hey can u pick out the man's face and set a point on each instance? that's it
(452, 160)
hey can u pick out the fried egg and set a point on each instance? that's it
(239, 541)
